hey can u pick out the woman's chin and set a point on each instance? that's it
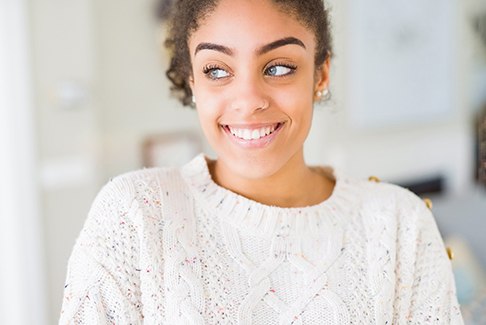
(252, 168)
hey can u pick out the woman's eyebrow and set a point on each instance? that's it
(278, 43)
(214, 47)
(262, 50)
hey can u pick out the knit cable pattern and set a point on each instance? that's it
(185, 295)
(169, 246)
(285, 249)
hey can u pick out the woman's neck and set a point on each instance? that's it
(293, 185)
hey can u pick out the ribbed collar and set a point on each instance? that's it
(264, 219)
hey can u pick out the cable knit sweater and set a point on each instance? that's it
(169, 246)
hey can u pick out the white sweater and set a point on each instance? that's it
(169, 246)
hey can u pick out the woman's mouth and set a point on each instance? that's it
(253, 137)
(254, 133)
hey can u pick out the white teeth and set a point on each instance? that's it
(252, 134)
(246, 134)
(255, 134)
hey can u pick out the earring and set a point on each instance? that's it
(320, 94)
(265, 105)
(194, 99)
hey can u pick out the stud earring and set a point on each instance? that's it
(265, 105)
(194, 99)
(320, 94)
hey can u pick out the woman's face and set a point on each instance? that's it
(246, 55)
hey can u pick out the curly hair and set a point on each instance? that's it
(186, 15)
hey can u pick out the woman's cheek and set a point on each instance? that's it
(209, 111)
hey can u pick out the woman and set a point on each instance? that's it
(256, 236)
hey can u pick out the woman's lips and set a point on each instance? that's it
(249, 137)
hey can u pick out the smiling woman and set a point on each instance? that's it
(256, 236)
(246, 85)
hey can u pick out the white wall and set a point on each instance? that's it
(65, 63)
(403, 152)
(134, 91)
(22, 269)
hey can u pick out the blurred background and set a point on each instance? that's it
(83, 98)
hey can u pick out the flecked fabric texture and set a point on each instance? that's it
(169, 246)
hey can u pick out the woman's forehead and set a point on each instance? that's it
(249, 24)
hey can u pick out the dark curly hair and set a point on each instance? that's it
(186, 15)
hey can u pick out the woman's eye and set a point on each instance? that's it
(279, 70)
(217, 73)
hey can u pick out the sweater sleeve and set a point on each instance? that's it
(433, 292)
(102, 284)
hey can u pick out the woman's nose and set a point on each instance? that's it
(249, 95)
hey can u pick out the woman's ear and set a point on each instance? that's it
(322, 79)
(191, 83)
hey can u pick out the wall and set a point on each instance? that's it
(67, 115)
(22, 271)
(133, 89)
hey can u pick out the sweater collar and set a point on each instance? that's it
(263, 219)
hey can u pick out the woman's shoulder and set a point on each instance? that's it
(123, 196)
(136, 183)
(394, 212)
(393, 200)
(125, 206)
